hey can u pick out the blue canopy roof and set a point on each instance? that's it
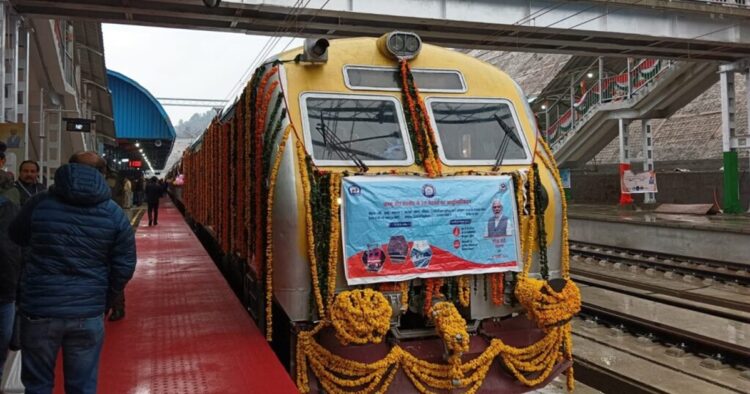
(140, 118)
(138, 115)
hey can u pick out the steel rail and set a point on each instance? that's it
(681, 264)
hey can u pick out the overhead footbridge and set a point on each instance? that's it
(704, 30)
(581, 107)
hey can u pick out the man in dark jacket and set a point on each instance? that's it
(153, 193)
(10, 266)
(80, 254)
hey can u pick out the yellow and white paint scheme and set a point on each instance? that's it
(292, 283)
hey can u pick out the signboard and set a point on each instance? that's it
(135, 163)
(565, 177)
(13, 135)
(642, 182)
(400, 228)
(78, 125)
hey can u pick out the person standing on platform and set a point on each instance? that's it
(141, 189)
(10, 267)
(28, 180)
(128, 190)
(79, 255)
(154, 192)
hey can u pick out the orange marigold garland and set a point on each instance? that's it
(360, 316)
(498, 288)
(306, 188)
(334, 238)
(464, 291)
(419, 125)
(431, 290)
(269, 232)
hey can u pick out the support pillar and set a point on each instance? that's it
(625, 198)
(731, 163)
(747, 111)
(572, 101)
(601, 79)
(648, 156)
(630, 83)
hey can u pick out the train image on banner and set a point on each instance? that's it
(390, 216)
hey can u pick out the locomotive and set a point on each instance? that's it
(391, 217)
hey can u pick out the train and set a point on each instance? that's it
(391, 217)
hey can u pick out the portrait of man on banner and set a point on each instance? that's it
(498, 224)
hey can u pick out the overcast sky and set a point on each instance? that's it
(182, 63)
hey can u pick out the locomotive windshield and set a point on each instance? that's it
(478, 131)
(346, 129)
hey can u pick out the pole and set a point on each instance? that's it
(42, 133)
(3, 30)
(630, 85)
(747, 103)
(648, 156)
(601, 74)
(27, 64)
(572, 102)
(731, 163)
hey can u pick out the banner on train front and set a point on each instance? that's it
(399, 228)
(642, 182)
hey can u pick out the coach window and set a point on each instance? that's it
(340, 129)
(478, 132)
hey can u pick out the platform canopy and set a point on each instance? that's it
(144, 131)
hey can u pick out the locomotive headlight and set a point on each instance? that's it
(315, 50)
(400, 45)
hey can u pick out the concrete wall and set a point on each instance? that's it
(674, 187)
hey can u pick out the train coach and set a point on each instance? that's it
(391, 218)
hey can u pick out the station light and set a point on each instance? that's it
(544, 106)
(140, 150)
(125, 160)
(137, 144)
(590, 75)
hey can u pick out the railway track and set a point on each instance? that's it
(615, 361)
(726, 272)
(690, 307)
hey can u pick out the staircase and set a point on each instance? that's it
(651, 89)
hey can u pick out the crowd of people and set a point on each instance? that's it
(66, 255)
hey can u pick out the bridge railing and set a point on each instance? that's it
(560, 119)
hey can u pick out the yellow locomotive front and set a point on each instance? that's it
(398, 212)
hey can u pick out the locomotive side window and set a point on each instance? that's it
(341, 129)
(478, 132)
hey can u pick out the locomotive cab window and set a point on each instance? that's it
(478, 132)
(341, 129)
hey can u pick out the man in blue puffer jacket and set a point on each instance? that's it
(80, 253)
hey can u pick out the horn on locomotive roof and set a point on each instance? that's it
(400, 45)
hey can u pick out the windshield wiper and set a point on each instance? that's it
(330, 138)
(507, 132)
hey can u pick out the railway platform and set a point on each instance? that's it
(711, 237)
(184, 329)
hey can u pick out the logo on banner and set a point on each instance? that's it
(354, 190)
(428, 190)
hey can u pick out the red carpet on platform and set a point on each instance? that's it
(184, 330)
